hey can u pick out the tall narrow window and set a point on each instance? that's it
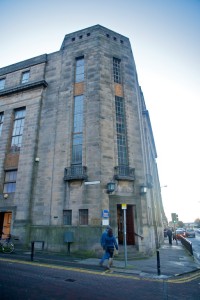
(79, 75)
(10, 181)
(83, 216)
(1, 121)
(67, 217)
(18, 127)
(116, 70)
(121, 131)
(2, 83)
(77, 131)
(25, 76)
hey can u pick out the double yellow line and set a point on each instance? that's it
(185, 278)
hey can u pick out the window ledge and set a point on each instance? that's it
(24, 87)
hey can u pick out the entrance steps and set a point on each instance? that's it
(132, 253)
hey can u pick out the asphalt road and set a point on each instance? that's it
(31, 281)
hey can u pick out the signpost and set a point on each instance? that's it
(124, 207)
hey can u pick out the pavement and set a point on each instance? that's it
(168, 261)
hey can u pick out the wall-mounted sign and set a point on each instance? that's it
(105, 213)
(105, 222)
(91, 182)
(124, 206)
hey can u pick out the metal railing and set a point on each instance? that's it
(124, 173)
(75, 173)
(187, 244)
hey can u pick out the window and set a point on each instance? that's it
(121, 131)
(77, 130)
(79, 75)
(1, 121)
(2, 83)
(10, 181)
(67, 217)
(116, 70)
(83, 216)
(18, 127)
(25, 77)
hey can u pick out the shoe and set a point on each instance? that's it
(101, 264)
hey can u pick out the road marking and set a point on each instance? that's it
(187, 278)
(75, 269)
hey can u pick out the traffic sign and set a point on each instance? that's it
(124, 206)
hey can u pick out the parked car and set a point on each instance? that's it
(180, 232)
(190, 233)
(180, 228)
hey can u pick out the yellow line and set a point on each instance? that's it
(68, 268)
(187, 278)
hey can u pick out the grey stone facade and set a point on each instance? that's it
(43, 188)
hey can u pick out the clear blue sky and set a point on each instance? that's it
(165, 38)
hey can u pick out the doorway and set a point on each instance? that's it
(130, 236)
(5, 223)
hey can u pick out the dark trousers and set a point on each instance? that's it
(170, 240)
(110, 250)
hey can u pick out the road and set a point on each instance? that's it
(32, 280)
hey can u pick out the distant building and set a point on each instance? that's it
(72, 123)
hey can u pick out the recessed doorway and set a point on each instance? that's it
(130, 236)
(5, 223)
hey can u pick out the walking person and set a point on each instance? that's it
(110, 244)
(102, 241)
(169, 234)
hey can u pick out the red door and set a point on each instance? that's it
(130, 237)
(130, 225)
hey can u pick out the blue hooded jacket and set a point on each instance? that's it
(104, 234)
(110, 241)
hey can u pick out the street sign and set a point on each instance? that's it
(91, 182)
(105, 213)
(124, 206)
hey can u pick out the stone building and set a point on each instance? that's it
(77, 147)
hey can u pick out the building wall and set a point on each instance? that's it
(42, 193)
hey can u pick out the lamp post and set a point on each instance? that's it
(163, 186)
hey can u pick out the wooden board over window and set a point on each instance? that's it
(12, 160)
(78, 88)
(118, 90)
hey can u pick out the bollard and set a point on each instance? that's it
(32, 250)
(68, 248)
(158, 261)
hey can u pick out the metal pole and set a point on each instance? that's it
(125, 248)
(68, 251)
(158, 261)
(32, 250)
